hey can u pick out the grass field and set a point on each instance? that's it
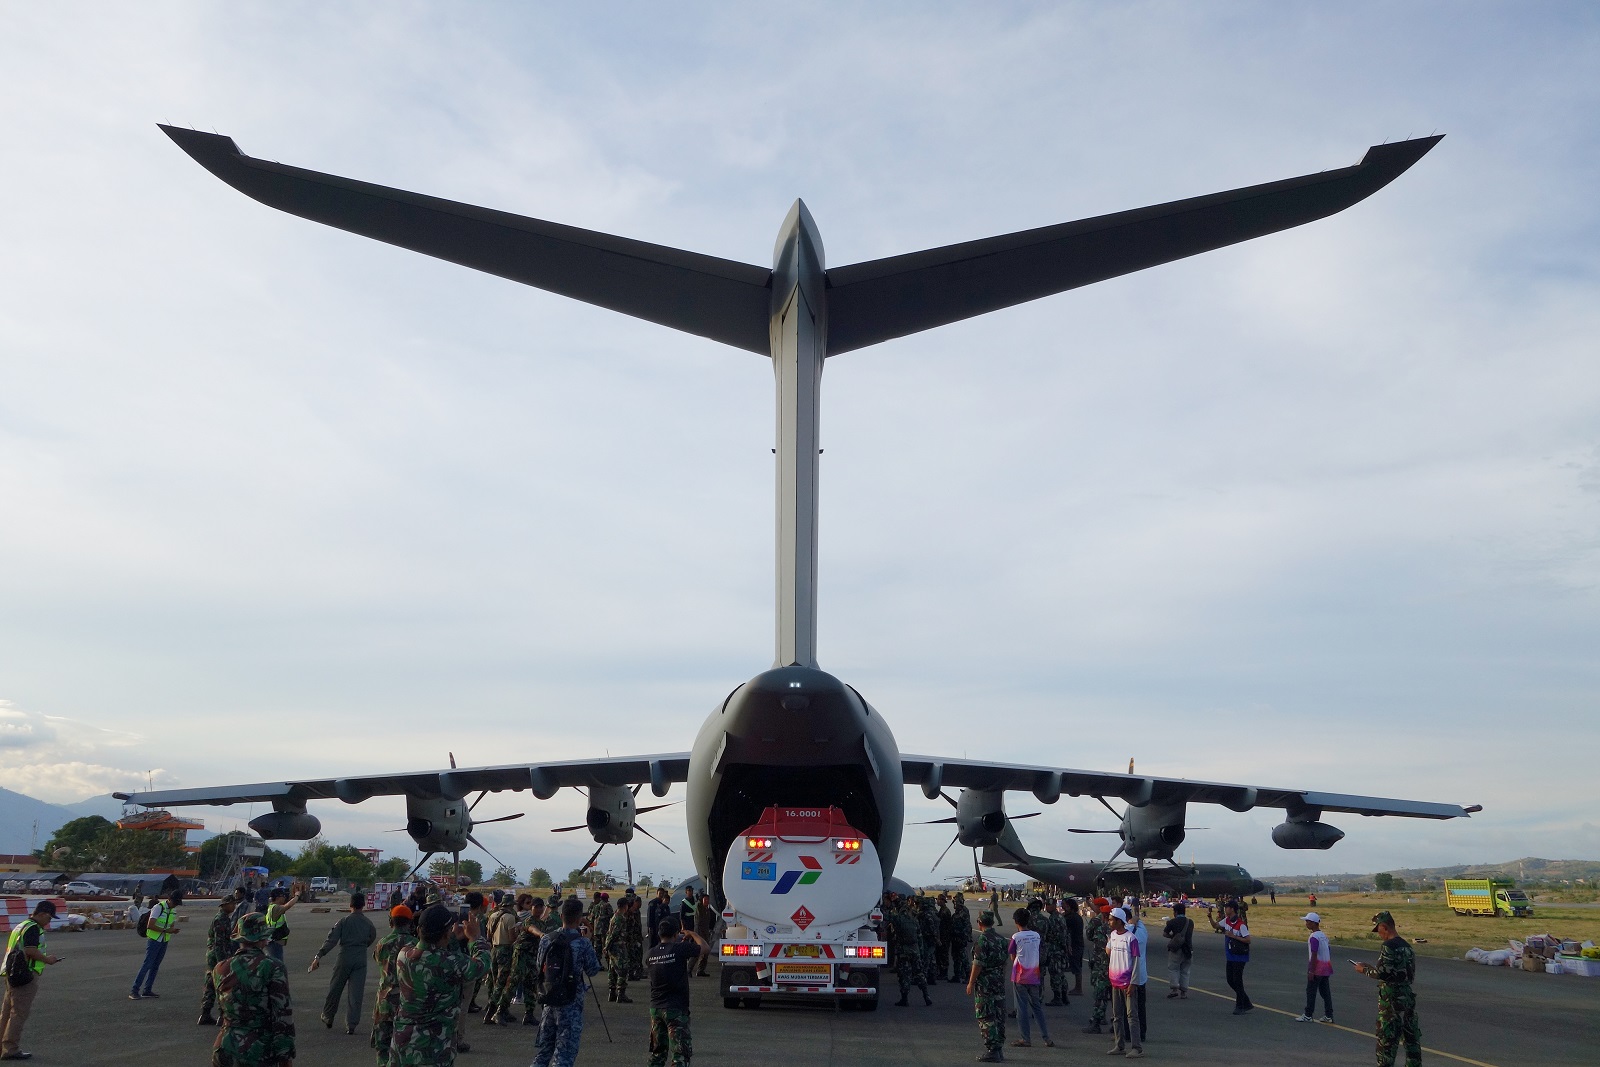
(1347, 920)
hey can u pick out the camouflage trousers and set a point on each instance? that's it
(1397, 1024)
(619, 979)
(909, 973)
(208, 990)
(382, 1035)
(502, 978)
(1100, 982)
(930, 963)
(1055, 967)
(991, 1014)
(560, 1030)
(960, 961)
(669, 1029)
(232, 1050)
(422, 1044)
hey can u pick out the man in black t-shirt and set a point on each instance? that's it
(668, 964)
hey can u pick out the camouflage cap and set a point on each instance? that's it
(252, 927)
(986, 918)
(1381, 919)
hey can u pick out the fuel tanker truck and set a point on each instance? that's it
(802, 888)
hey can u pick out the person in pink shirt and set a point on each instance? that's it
(1319, 969)
(1123, 949)
(1026, 977)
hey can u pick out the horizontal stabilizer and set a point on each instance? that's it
(716, 298)
(887, 298)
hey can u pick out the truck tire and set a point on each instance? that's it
(867, 1004)
(752, 1002)
(731, 1002)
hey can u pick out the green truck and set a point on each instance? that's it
(1486, 896)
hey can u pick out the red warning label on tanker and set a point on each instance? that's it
(803, 918)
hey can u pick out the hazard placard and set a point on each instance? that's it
(802, 918)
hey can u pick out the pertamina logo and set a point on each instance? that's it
(790, 879)
(803, 918)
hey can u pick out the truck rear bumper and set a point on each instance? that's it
(805, 990)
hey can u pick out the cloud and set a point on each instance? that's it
(55, 758)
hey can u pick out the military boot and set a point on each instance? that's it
(927, 1000)
(205, 1019)
(528, 1019)
(903, 1002)
(489, 1017)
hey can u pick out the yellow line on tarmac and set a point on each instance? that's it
(1336, 1026)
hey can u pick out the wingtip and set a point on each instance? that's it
(200, 145)
(1398, 156)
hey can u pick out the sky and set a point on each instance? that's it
(1321, 510)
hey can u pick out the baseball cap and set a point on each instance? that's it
(1311, 917)
(1381, 918)
(1118, 913)
(46, 906)
(400, 911)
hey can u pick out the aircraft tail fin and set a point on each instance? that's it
(887, 298)
(1007, 852)
(721, 299)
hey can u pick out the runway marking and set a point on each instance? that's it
(1335, 1026)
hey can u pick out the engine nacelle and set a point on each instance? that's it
(287, 825)
(610, 815)
(1154, 831)
(980, 817)
(1306, 835)
(438, 824)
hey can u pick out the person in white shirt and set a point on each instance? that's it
(1122, 949)
(1319, 969)
(1027, 979)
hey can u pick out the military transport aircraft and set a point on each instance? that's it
(794, 734)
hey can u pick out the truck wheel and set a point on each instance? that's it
(752, 1002)
(731, 1002)
(867, 1004)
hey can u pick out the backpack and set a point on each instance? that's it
(144, 923)
(19, 969)
(558, 976)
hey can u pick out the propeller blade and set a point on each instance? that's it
(1075, 830)
(935, 822)
(1113, 858)
(629, 854)
(654, 838)
(637, 788)
(1141, 864)
(947, 799)
(418, 867)
(977, 874)
(486, 852)
(945, 853)
(1030, 815)
(503, 818)
(396, 830)
(656, 807)
(592, 858)
(1130, 764)
(452, 756)
(569, 829)
(1109, 808)
(475, 802)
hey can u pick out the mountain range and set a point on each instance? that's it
(26, 823)
(1527, 869)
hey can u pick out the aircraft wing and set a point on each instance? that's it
(721, 299)
(658, 771)
(1048, 783)
(887, 298)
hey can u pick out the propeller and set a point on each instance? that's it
(626, 851)
(948, 799)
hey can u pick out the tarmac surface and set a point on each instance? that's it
(1469, 1013)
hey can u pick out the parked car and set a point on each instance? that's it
(84, 889)
(321, 884)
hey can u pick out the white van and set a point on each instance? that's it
(321, 884)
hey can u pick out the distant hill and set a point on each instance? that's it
(19, 812)
(1527, 869)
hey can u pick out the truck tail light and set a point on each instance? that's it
(848, 845)
(758, 842)
(741, 950)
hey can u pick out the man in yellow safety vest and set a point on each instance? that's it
(27, 939)
(161, 924)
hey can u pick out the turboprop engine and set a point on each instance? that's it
(438, 824)
(980, 817)
(1306, 834)
(611, 814)
(287, 825)
(1154, 831)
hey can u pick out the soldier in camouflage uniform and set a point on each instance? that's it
(253, 1000)
(524, 976)
(947, 933)
(1395, 970)
(504, 929)
(600, 913)
(624, 948)
(1096, 937)
(219, 946)
(1053, 931)
(960, 938)
(986, 985)
(385, 955)
(431, 976)
(909, 953)
(928, 927)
